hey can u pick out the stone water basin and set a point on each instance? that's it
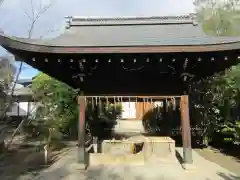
(136, 150)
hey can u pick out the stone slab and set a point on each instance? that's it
(110, 159)
(110, 146)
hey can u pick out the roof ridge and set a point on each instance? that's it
(98, 18)
(111, 21)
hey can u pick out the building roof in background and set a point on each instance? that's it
(24, 91)
(25, 82)
(20, 90)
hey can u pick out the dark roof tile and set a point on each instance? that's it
(138, 31)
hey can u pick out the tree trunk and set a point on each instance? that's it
(2, 147)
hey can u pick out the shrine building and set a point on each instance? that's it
(135, 58)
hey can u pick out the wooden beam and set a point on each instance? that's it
(124, 96)
(81, 131)
(110, 98)
(186, 130)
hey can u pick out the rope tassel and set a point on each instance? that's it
(166, 105)
(107, 102)
(96, 101)
(100, 105)
(92, 103)
(152, 105)
(129, 101)
(114, 100)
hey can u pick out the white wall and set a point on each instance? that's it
(21, 109)
(128, 110)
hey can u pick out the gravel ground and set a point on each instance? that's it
(67, 169)
(24, 163)
(229, 162)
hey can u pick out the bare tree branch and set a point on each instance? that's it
(27, 14)
(3, 114)
(34, 16)
(32, 9)
(18, 128)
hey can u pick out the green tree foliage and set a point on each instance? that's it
(217, 99)
(7, 72)
(216, 103)
(220, 18)
(56, 103)
(57, 109)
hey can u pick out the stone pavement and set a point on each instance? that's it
(67, 169)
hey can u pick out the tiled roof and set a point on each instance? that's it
(132, 31)
(137, 31)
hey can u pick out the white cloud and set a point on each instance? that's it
(10, 4)
(15, 22)
(14, 4)
(124, 7)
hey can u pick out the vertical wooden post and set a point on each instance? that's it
(81, 130)
(186, 130)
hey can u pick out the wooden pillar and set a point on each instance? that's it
(186, 130)
(81, 130)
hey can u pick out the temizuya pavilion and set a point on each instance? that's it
(136, 56)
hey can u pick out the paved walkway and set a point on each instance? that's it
(67, 169)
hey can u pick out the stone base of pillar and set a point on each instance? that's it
(188, 167)
(187, 155)
(82, 158)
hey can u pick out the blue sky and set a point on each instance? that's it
(13, 20)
